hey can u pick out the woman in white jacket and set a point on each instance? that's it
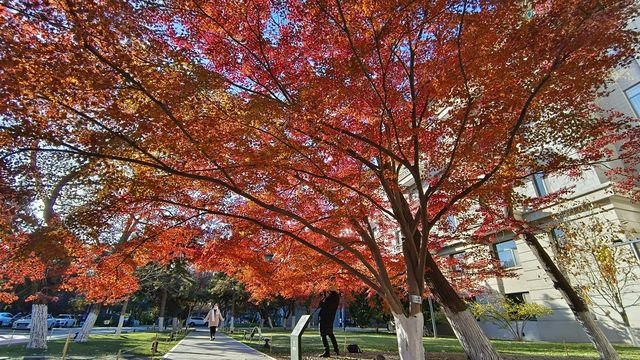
(213, 318)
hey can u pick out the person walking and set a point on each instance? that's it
(213, 318)
(328, 307)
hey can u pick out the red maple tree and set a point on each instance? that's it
(331, 124)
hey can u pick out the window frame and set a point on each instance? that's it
(512, 251)
(633, 244)
(539, 185)
(633, 92)
(459, 257)
(523, 297)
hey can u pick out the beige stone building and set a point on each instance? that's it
(593, 199)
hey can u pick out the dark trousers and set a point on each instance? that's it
(326, 329)
(212, 331)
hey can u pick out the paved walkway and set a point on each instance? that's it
(196, 346)
(9, 336)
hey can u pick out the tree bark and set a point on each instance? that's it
(123, 311)
(174, 324)
(604, 347)
(470, 335)
(38, 332)
(291, 308)
(233, 313)
(576, 303)
(473, 340)
(85, 331)
(409, 336)
(632, 336)
(627, 326)
(163, 304)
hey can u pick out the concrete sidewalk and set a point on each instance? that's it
(197, 346)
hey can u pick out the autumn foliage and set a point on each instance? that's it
(335, 137)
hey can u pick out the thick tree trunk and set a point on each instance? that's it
(576, 303)
(627, 326)
(163, 304)
(287, 316)
(473, 340)
(233, 313)
(293, 320)
(123, 311)
(409, 336)
(38, 332)
(85, 331)
(632, 337)
(270, 322)
(604, 347)
(174, 324)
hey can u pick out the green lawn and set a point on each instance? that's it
(99, 346)
(384, 342)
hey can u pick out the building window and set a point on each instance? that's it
(399, 239)
(507, 254)
(458, 262)
(538, 184)
(453, 223)
(633, 244)
(633, 94)
(558, 236)
(518, 298)
(375, 230)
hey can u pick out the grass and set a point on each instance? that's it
(98, 346)
(384, 342)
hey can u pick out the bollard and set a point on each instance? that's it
(154, 347)
(66, 346)
(344, 351)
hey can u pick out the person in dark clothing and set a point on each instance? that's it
(328, 307)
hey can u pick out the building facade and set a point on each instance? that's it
(592, 200)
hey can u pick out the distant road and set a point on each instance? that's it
(22, 336)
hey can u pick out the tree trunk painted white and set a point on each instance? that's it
(270, 322)
(576, 303)
(38, 332)
(604, 347)
(163, 305)
(85, 331)
(473, 340)
(123, 311)
(409, 336)
(174, 324)
(632, 336)
(293, 321)
(233, 313)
